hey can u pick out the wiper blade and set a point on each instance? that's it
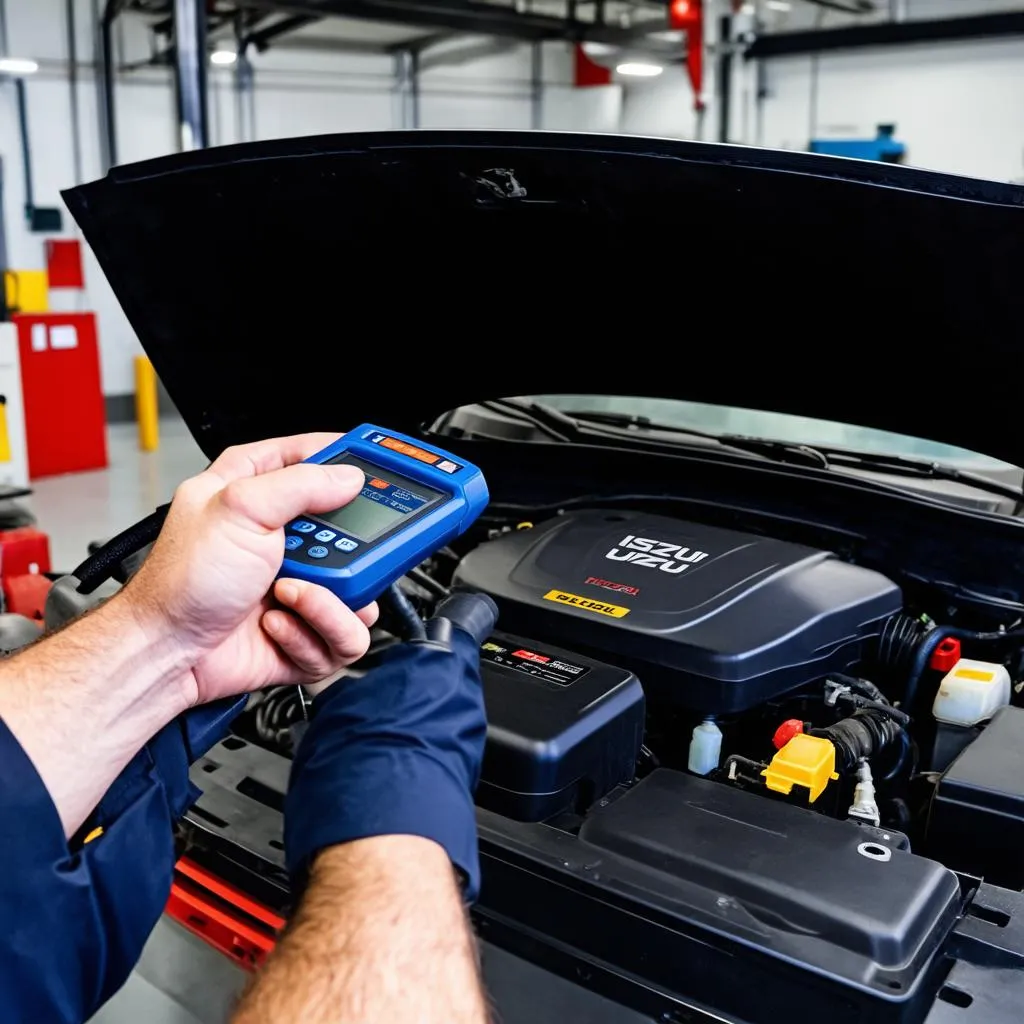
(906, 466)
(824, 457)
(550, 421)
(779, 451)
(565, 426)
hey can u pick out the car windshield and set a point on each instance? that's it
(775, 426)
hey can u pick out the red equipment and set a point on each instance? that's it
(689, 16)
(65, 418)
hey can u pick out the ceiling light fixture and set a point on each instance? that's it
(223, 56)
(640, 70)
(17, 66)
(779, 5)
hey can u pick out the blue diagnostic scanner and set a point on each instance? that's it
(415, 499)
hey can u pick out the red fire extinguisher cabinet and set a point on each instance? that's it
(65, 419)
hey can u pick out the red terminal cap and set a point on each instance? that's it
(946, 655)
(785, 732)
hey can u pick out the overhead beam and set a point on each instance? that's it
(848, 6)
(261, 38)
(454, 15)
(888, 33)
(421, 43)
(312, 44)
(464, 54)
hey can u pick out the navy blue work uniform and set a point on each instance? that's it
(397, 751)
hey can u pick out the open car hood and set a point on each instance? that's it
(319, 282)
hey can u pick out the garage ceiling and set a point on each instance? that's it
(383, 25)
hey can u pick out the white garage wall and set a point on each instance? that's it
(954, 104)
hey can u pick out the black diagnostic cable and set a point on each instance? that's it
(427, 582)
(114, 560)
(402, 607)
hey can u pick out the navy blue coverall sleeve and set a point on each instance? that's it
(75, 916)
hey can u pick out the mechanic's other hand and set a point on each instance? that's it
(206, 582)
(397, 751)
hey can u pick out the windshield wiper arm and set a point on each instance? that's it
(822, 456)
(565, 426)
(779, 451)
(906, 466)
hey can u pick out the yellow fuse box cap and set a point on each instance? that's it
(808, 761)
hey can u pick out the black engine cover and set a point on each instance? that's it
(715, 620)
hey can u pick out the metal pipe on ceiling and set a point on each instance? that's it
(887, 33)
(190, 73)
(76, 126)
(537, 86)
(108, 136)
(470, 16)
(261, 38)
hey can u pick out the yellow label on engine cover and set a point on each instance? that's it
(587, 604)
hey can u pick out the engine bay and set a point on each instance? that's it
(795, 758)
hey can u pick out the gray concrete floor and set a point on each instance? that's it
(81, 507)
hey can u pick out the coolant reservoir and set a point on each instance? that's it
(705, 748)
(971, 692)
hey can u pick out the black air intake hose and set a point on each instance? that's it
(864, 734)
(897, 645)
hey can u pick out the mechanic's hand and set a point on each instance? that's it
(207, 578)
(397, 751)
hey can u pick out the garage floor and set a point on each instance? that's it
(81, 507)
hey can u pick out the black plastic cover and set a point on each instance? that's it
(848, 903)
(711, 619)
(977, 817)
(562, 730)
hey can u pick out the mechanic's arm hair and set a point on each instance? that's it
(83, 702)
(380, 935)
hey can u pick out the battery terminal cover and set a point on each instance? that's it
(808, 761)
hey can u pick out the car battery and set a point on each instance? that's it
(563, 730)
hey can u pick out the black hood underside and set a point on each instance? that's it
(315, 283)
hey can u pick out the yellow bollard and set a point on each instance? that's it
(146, 410)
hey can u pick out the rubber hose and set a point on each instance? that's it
(864, 686)
(883, 707)
(932, 639)
(864, 734)
(901, 759)
(438, 590)
(103, 565)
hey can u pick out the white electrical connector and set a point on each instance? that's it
(864, 806)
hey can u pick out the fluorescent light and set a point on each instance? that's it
(17, 66)
(779, 5)
(640, 70)
(223, 56)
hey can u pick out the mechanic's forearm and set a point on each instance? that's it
(381, 935)
(82, 702)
